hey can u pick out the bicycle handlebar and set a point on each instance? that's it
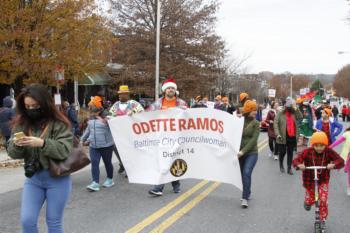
(316, 167)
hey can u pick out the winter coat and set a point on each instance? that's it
(58, 144)
(335, 111)
(280, 126)
(98, 134)
(72, 116)
(7, 113)
(335, 129)
(250, 135)
(270, 130)
(157, 105)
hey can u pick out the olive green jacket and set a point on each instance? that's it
(58, 144)
(251, 132)
(280, 126)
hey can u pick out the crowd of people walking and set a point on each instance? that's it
(40, 132)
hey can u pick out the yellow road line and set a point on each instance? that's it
(263, 142)
(150, 219)
(172, 219)
(261, 147)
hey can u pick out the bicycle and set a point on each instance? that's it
(318, 226)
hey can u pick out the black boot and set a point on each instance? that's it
(282, 169)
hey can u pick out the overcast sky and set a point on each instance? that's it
(300, 36)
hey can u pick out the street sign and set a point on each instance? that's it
(59, 74)
(272, 93)
(58, 100)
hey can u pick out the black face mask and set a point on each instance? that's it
(290, 109)
(34, 114)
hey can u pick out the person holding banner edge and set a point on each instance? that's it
(125, 106)
(170, 100)
(248, 154)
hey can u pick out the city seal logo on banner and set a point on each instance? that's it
(178, 168)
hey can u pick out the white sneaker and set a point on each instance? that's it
(348, 191)
(270, 154)
(244, 203)
(275, 157)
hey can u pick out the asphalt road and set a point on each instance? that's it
(208, 207)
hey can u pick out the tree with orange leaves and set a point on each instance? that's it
(38, 35)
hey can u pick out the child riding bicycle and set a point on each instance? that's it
(319, 154)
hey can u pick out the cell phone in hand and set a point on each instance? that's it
(19, 135)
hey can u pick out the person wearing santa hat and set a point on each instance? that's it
(168, 101)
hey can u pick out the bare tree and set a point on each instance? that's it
(189, 48)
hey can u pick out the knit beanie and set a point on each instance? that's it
(249, 106)
(319, 138)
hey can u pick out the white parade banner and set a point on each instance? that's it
(163, 146)
(272, 93)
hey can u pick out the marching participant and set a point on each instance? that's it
(170, 100)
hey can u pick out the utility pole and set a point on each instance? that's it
(291, 86)
(157, 50)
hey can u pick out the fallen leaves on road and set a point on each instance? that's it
(11, 163)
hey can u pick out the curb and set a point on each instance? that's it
(11, 163)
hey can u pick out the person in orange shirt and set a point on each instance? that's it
(168, 101)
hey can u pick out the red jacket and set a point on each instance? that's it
(310, 158)
(348, 111)
(344, 111)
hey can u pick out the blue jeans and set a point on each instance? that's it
(160, 187)
(95, 156)
(247, 164)
(38, 189)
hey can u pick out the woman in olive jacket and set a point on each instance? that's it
(248, 154)
(46, 133)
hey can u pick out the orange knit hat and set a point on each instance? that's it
(319, 138)
(249, 106)
(242, 96)
(96, 102)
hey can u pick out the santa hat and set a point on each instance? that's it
(169, 83)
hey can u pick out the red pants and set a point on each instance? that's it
(323, 197)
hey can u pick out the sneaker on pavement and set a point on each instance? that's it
(108, 183)
(93, 186)
(275, 157)
(323, 225)
(307, 207)
(348, 191)
(270, 154)
(177, 190)
(156, 193)
(244, 203)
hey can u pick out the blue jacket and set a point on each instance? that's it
(6, 115)
(335, 128)
(72, 116)
(98, 134)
